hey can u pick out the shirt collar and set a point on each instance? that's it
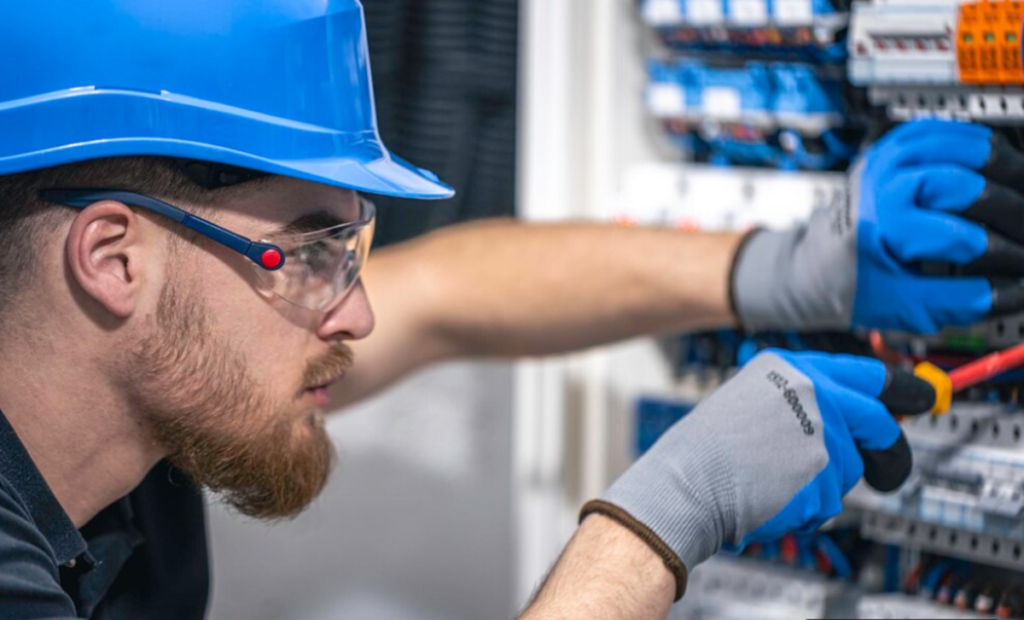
(17, 468)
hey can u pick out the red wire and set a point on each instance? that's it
(985, 368)
(882, 351)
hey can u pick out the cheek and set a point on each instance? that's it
(267, 333)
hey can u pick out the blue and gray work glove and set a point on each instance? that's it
(931, 194)
(772, 451)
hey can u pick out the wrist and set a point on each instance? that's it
(644, 534)
(605, 572)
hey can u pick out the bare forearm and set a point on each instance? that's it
(605, 572)
(505, 289)
(508, 289)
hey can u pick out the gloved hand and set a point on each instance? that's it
(772, 451)
(930, 191)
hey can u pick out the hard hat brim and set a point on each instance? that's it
(386, 174)
(176, 126)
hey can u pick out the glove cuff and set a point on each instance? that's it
(733, 269)
(683, 490)
(644, 533)
(757, 284)
(803, 278)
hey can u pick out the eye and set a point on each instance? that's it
(316, 256)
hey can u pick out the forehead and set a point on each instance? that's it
(279, 201)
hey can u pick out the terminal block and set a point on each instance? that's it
(903, 42)
(676, 196)
(988, 46)
(815, 26)
(727, 587)
(904, 606)
(966, 495)
(940, 57)
(781, 115)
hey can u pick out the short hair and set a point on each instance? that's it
(24, 217)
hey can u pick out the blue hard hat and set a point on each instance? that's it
(279, 86)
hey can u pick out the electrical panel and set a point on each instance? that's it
(730, 114)
(795, 89)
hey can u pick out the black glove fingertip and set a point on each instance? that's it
(1004, 163)
(1007, 298)
(1002, 257)
(887, 470)
(1000, 208)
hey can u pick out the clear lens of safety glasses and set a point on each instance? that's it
(321, 267)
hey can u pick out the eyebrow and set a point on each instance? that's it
(310, 223)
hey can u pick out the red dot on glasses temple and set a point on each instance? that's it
(271, 259)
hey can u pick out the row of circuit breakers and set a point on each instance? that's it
(814, 74)
(748, 89)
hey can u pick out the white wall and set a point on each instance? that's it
(415, 523)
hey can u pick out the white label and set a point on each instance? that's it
(749, 12)
(722, 103)
(700, 12)
(793, 12)
(666, 100)
(662, 12)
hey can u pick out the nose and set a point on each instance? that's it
(350, 319)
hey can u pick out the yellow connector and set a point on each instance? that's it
(942, 384)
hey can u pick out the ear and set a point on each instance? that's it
(104, 253)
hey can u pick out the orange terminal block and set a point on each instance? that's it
(988, 42)
(1009, 43)
(966, 42)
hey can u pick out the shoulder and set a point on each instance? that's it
(29, 575)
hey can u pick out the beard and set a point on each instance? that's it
(267, 459)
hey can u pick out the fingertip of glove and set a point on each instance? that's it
(887, 470)
(1004, 162)
(1007, 298)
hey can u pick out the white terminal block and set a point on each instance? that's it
(697, 197)
(991, 104)
(662, 13)
(722, 103)
(904, 42)
(705, 12)
(966, 495)
(666, 100)
(749, 13)
(793, 13)
(740, 588)
(886, 606)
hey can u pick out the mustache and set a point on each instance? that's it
(328, 367)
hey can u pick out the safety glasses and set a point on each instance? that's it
(312, 269)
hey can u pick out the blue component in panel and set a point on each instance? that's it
(743, 153)
(805, 552)
(654, 416)
(799, 91)
(822, 7)
(671, 91)
(738, 93)
(781, 115)
(747, 351)
(829, 150)
(659, 72)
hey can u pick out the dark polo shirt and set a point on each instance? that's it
(143, 557)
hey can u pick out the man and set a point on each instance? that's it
(179, 281)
